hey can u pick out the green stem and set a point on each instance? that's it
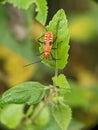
(56, 72)
(38, 113)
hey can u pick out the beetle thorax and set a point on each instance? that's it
(48, 36)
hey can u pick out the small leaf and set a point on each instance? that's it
(62, 114)
(42, 11)
(59, 26)
(61, 81)
(28, 92)
(11, 115)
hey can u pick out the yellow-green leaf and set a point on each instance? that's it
(62, 114)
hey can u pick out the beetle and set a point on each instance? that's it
(47, 45)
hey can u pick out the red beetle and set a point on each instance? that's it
(47, 45)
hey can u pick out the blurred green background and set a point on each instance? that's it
(18, 47)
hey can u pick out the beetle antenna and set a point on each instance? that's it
(33, 63)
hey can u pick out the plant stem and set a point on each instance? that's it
(42, 107)
(56, 72)
(38, 113)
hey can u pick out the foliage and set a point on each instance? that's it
(43, 102)
(34, 95)
(25, 4)
(59, 26)
(62, 115)
(42, 11)
(9, 117)
(29, 93)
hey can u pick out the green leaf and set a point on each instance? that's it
(28, 92)
(52, 125)
(62, 114)
(42, 11)
(59, 26)
(23, 4)
(11, 115)
(61, 81)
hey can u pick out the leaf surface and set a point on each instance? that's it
(28, 92)
(59, 27)
(62, 114)
(42, 11)
(11, 115)
(61, 82)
